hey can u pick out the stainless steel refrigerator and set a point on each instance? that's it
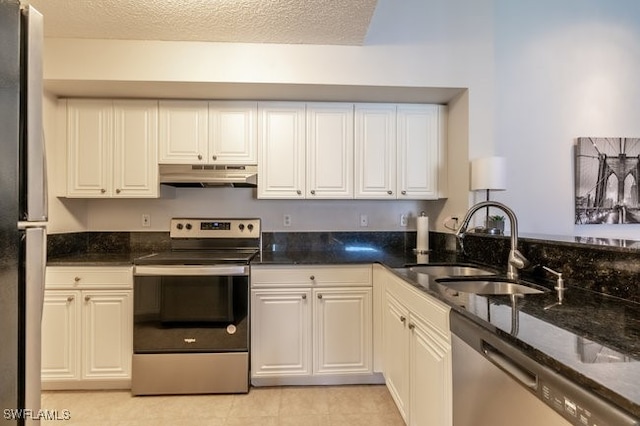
(23, 212)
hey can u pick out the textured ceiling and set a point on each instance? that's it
(339, 22)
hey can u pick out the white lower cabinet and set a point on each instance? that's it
(311, 325)
(87, 328)
(416, 353)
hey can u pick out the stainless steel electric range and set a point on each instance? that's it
(191, 310)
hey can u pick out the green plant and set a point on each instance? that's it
(497, 218)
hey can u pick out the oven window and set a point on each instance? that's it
(196, 299)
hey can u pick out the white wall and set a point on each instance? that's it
(439, 43)
(563, 70)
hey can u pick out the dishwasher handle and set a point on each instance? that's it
(509, 365)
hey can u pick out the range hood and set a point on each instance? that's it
(199, 176)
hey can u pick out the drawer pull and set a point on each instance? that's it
(87, 298)
(304, 297)
(76, 279)
(312, 277)
(319, 296)
(70, 299)
(411, 326)
(402, 319)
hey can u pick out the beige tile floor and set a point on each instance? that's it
(368, 405)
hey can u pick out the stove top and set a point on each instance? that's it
(198, 257)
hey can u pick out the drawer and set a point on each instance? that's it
(311, 276)
(89, 277)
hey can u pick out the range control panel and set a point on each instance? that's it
(215, 228)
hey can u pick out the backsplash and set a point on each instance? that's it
(610, 270)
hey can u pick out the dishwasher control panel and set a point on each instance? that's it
(571, 409)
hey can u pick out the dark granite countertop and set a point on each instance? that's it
(592, 339)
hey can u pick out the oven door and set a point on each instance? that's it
(188, 308)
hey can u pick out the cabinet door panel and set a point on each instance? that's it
(375, 151)
(183, 132)
(135, 149)
(233, 132)
(419, 151)
(281, 332)
(89, 150)
(281, 149)
(60, 335)
(342, 331)
(330, 150)
(396, 353)
(107, 334)
(430, 364)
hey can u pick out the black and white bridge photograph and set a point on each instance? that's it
(607, 171)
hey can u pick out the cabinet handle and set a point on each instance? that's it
(118, 191)
(87, 298)
(313, 192)
(76, 279)
(390, 192)
(102, 191)
(304, 297)
(402, 319)
(319, 296)
(214, 157)
(70, 299)
(404, 192)
(299, 192)
(312, 277)
(411, 326)
(199, 157)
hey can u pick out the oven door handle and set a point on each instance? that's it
(189, 270)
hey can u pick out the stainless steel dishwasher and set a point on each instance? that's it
(496, 384)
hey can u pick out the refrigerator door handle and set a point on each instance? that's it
(35, 264)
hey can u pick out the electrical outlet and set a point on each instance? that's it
(286, 220)
(146, 220)
(403, 220)
(364, 220)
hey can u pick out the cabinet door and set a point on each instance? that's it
(419, 151)
(430, 366)
(61, 335)
(375, 151)
(135, 162)
(281, 150)
(233, 132)
(183, 132)
(396, 353)
(330, 150)
(342, 331)
(281, 332)
(107, 334)
(89, 148)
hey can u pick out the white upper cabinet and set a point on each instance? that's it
(375, 151)
(421, 152)
(330, 150)
(200, 132)
(233, 132)
(281, 150)
(183, 132)
(112, 148)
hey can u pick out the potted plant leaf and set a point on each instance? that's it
(495, 224)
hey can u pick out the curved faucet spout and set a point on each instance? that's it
(516, 259)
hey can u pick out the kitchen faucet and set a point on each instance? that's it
(516, 259)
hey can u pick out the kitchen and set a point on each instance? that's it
(521, 97)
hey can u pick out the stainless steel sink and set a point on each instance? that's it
(490, 287)
(450, 270)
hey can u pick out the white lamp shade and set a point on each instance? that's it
(489, 173)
